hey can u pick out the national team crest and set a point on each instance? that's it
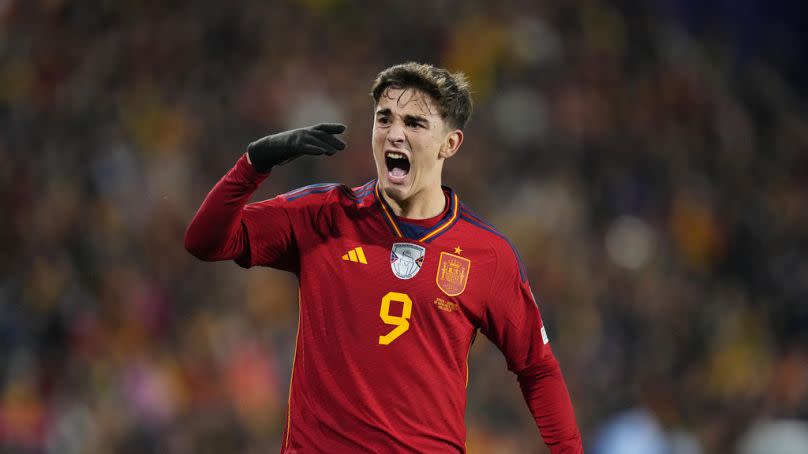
(453, 273)
(406, 259)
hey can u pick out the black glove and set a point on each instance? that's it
(284, 146)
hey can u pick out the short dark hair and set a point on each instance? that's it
(451, 91)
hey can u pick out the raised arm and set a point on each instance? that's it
(224, 226)
(217, 231)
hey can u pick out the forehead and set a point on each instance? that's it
(408, 101)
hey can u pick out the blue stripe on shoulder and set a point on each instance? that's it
(475, 220)
(364, 190)
(320, 188)
(311, 186)
(358, 194)
(310, 189)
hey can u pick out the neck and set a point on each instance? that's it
(427, 203)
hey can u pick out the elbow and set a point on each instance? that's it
(212, 243)
(196, 245)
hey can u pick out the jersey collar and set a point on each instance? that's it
(405, 230)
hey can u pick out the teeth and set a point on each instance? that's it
(394, 155)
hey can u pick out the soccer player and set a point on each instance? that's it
(396, 277)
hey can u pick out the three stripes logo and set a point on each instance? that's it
(355, 255)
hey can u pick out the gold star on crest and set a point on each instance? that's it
(458, 251)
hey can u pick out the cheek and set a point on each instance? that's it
(377, 136)
(428, 151)
(377, 147)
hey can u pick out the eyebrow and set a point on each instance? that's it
(408, 117)
(416, 118)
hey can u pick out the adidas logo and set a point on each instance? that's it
(356, 255)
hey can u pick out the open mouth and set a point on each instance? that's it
(398, 166)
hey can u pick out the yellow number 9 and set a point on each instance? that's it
(401, 323)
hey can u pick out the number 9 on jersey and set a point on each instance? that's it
(401, 322)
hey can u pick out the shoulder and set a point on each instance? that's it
(507, 256)
(326, 193)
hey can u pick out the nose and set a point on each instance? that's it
(395, 135)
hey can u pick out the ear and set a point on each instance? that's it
(453, 141)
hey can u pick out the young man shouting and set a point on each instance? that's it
(396, 277)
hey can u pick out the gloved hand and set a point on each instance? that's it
(285, 146)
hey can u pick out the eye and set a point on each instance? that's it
(383, 120)
(414, 124)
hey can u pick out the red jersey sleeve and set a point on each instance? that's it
(512, 321)
(261, 233)
(216, 232)
(275, 227)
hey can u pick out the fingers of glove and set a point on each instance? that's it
(321, 144)
(333, 141)
(330, 128)
(316, 150)
(312, 145)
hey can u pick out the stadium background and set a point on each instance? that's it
(649, 160)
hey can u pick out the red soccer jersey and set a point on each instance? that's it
(388, 312)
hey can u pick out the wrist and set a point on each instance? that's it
(248, 172)
(257, 164)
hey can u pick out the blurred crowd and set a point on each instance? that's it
(656, 188)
